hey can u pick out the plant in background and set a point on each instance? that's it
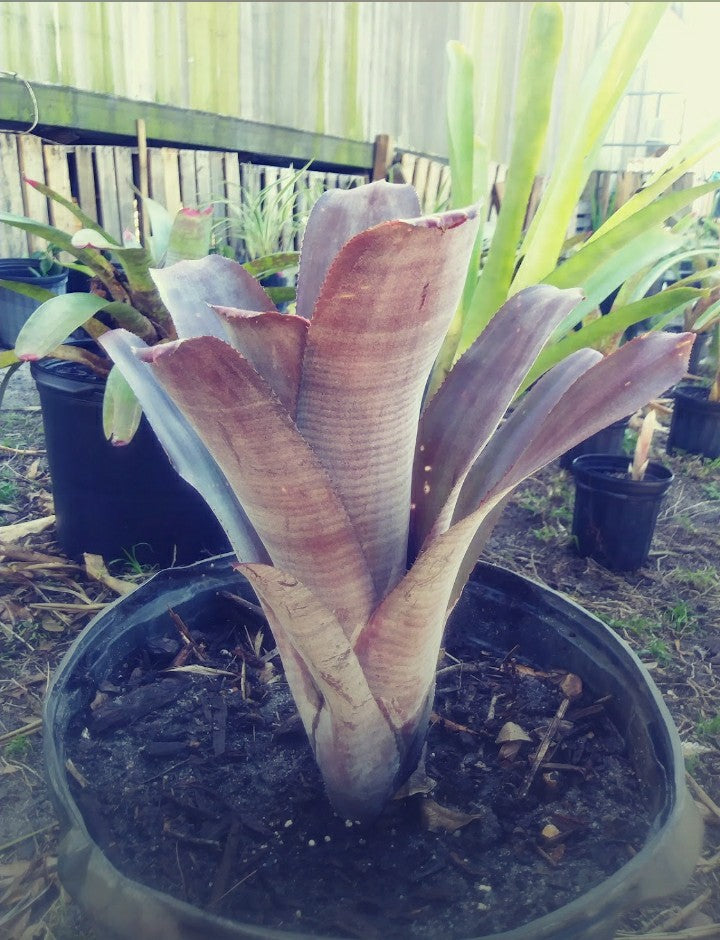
(128, 297)
(630, 240)
(358, 555)
(641, 454)
(268, 222)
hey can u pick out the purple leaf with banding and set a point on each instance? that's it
(189, 288)
(274, 343)
(185, 450)
(339, 215)
(286, 492)
(367, 360)
(326, 484)
(399, 646)
(448, 443)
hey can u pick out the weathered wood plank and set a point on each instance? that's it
(13, 242)
(204, 181)
(57, 176)
(225, 234)
(32, 166)
(420, 176)
(109, 210)
(127, 206)
(431, 186)
(85, 173)
(64, 106)
(171, 170)
(188, 178)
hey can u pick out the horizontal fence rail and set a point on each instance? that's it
(105, 182)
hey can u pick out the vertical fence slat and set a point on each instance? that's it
(57, 176)
(35, 205)
(217, 187)
(233, 194)
(202, 175)
(127, 206)
(109, 208)
(171, 171)
(87, 196)
(188, 179)
(13, 241)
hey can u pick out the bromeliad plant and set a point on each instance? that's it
(355, 511)
(632, 239)
(123, 293)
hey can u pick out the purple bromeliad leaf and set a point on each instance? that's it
(184, 448)
(285, 490)
(311, 423)
(339, 215)
(463, 414)
(376, 330)
(274, 343)
(189, 289)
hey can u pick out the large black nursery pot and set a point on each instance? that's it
(695, 424)
(116, 501)
(609, 440)
(614, 516)
(15, 309)
(501, 610)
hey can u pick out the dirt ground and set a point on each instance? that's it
(668, 612)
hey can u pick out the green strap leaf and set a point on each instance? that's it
(86, 220)
(532, 115)
(273, 264)
(460, 118)
(41, 294)
(54, 321)
(121, 409)
(669, 301)
(599, 267)
(601, 92)
(676, 164)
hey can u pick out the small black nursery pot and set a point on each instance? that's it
(614, 518)
(695, 425)
(608, 441)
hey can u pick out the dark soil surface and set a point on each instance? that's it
(667, 611)
(205, 787)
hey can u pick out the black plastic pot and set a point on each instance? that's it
(695, 424)
(15, 309)
(116, 501)
(614, 516)
(501, 610)
(608, 441)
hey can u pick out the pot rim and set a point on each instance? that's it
(677, 820)
(600, 472)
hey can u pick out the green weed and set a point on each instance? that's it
(17, 748)
(708, 728)
(658, 649)
(703, 579)
(712, 490)
(546, 533)
(641, 627)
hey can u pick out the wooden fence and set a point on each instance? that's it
(104, 181)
